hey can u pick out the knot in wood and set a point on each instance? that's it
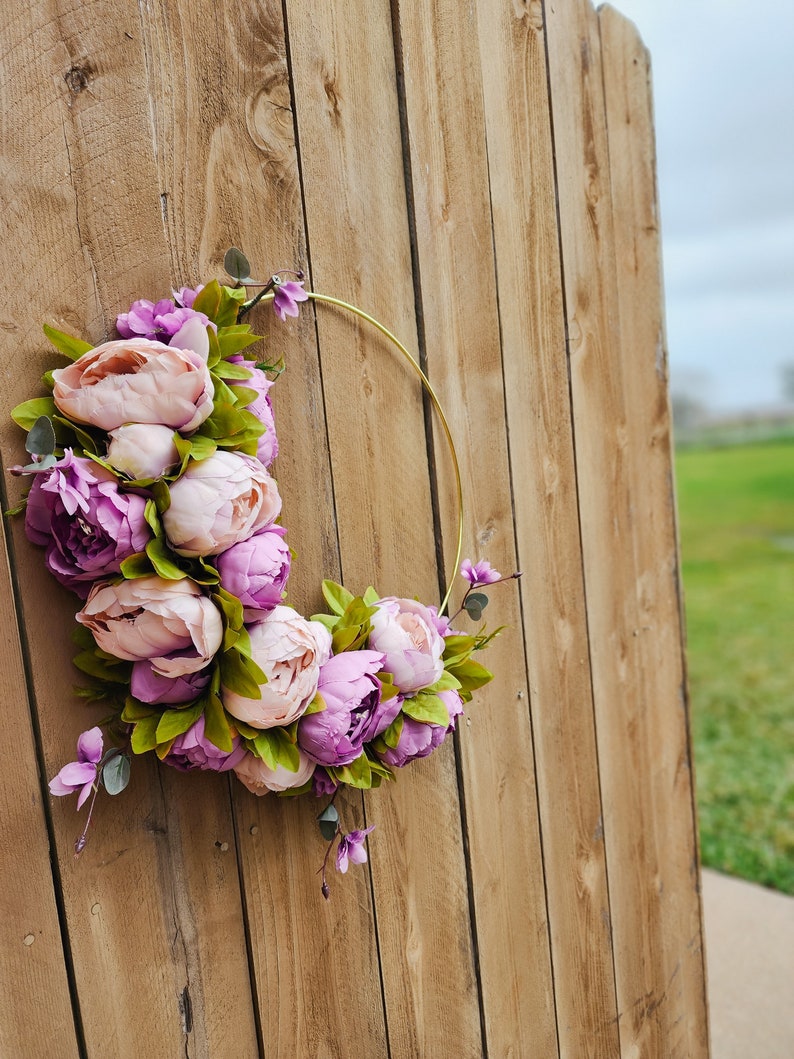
(78, 77)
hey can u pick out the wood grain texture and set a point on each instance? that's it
(522, 176)
(445, 127)
(481, 179)
(348, 125)
(657, 923)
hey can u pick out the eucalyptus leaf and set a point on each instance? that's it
(116, 774)
(236, 264)
(328, 820)
(41, 438)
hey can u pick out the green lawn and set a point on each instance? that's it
(736, 511)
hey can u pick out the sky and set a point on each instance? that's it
(723, 82)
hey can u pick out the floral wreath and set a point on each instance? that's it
(152, 497)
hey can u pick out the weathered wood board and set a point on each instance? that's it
(481, 179)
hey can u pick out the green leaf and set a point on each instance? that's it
(135, 710)
(426, 707)
(161, 495)
(116, 773)
(90, 662)
(357, 774)
(86, 440)
(391, 737)
(48, 380)
(236, 676)
(26, 414)
(71, 347)
(208, 300)
(475, 604)
(371, 597)
(317, 705)
(163, 561)
(266, 748)
(138, 565)
(216, 723)
(41, 438)
(337, 597)
(328, 820)
(224, 370)
(175, 722)
(201, 448)
(328, 620)
(144, 735)
(446, 682)
(233, 340)
(472, 675)
(243, 395)
(236, 264)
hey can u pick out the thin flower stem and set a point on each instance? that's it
(80, 843)
(325, 888)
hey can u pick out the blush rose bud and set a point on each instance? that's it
(142, 450)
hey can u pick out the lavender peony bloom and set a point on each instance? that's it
(80, 775)
(322, 784)
(256, 571)
(353, 713)
(149, 686)
(405, 632)
(87, 526)
(267, 443)
(418, 739)
(192, 750)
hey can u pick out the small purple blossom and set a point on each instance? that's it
(158, 321)
(480, 573)
(286, 298)
(353, 848)
(185, 296)
(80, 775)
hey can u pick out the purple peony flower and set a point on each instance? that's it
(286, 298)
(418, 738)
(192, 750)
(87, 526)
(479, 574)
(353, 714)
(405, 632)
(80, 775)
(256, 571)
(155, 689)
(352, 847)
(262, 408)
(157, 321)
(322, 784)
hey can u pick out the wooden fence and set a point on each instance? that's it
(481, 178)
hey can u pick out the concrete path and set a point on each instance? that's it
(750, 966)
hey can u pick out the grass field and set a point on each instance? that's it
(736, 511)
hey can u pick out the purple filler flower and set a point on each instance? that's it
(192, 750)
(420, 738)
(480, 573)
(80, 775)
(86, 524)
(352, 847)
(286, 298)
(256, 571)
(353, 714)
(157, 321)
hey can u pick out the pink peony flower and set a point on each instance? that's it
(80, 775)
(289, 650)
(135, 381)
(86, 524)
(259, 779)
(256, 571)
(219, 502)
(405, 632)
(169, 622)
(142, 450)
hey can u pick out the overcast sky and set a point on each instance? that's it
(723, 76)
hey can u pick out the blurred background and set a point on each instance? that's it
(723, 79)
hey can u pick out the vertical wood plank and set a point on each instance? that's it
(35, 1006)
(445, 127)
(657, 924)
(348, 123)
(154, 900)
(522, 180)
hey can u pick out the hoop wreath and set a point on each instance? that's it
(153, 499)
